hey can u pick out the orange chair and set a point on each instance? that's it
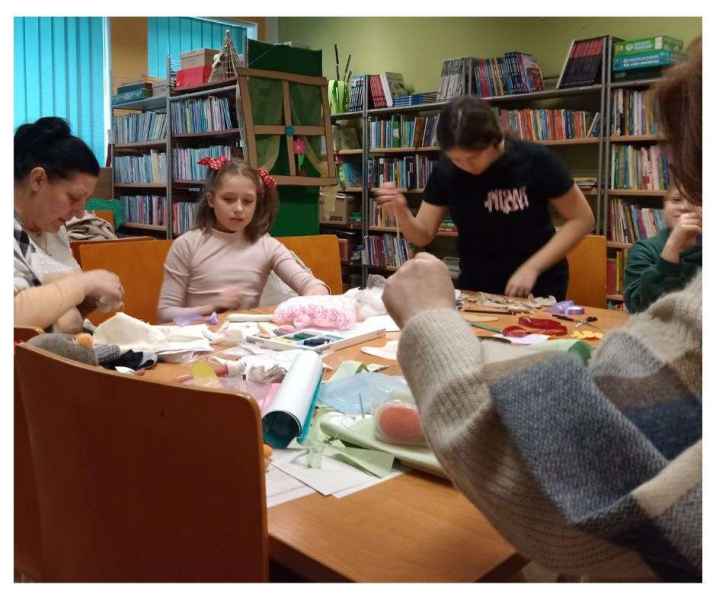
(588, 272)
(140, 267)
(321, 255)
(75, 244)
(140, 481)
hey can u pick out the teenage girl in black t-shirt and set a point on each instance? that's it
(498, 192)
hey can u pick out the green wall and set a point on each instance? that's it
(416, 46)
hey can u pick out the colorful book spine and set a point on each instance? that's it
(184, 215)
(148, 210)
(201, 115)
(148, 168)
(185, 161)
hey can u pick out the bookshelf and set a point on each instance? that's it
(592, 96)
(597, 150)
(631, 124)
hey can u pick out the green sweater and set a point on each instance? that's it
(647, 276)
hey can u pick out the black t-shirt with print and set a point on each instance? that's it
(502, 215)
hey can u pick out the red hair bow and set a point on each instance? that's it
(268, 180)
(214, 163)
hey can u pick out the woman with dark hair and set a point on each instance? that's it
(592, 470)
(55, 174)
(498, 191)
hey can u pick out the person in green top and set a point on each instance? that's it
(667, 261)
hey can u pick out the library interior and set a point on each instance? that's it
(308, 299)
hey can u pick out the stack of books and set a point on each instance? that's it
(639, 168)
(135, 128)
(407, 172)
(185, 165)
(632, 113)
(384, 88)
(513, 73)
(131, 92)
(149, 168)
(377, 217)
(645, 57)
(349, 174)
(629, 223)
(415, 99)
(201, 115)
(456, 77)
(547, 124)
(148, 210)
(184, 214)
(586, 184)
(403, 131)
(355, 98)
(583, 65)
(387, 250)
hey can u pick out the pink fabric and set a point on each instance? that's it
(199, 266)
(326, 312)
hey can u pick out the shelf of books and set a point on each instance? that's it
(596, 113)
(156, 145)
(637, 169)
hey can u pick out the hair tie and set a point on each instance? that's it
(268, 181)
(213, 163)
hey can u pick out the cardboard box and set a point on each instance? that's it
(192, 77)
(203, 57)
(338, 213)
(160, 88)
(649, 44)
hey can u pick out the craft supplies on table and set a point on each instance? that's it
(317, 339)
(249, 317)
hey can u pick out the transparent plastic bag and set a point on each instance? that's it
(397, 421)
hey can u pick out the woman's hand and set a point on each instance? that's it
(390, 199)
(421, 284)
(99, 283)
(522, 281)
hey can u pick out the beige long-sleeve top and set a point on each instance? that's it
(201, 265)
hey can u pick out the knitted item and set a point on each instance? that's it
(106, 353)
(64, 345)
(589, 470)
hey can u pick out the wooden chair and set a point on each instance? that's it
(321, 255)
(139, 265)
(75, 244)
(26, 515)
(140, 481)
(588, 272)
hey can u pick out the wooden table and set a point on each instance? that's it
(415, 527)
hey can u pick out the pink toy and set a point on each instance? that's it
(326, 312)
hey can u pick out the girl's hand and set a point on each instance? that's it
(685, 232)
(389, 198)
(522, 281)
(230, 298)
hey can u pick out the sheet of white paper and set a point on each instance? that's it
(281, 487)
(396, 472)
(389, 351)
(528, 340)
(381, 322)
(333, 475)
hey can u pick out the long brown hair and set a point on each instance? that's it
(266, 200)
(678, 103)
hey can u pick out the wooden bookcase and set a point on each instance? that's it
(596, 152)
(240, 137)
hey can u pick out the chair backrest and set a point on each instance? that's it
(75, 244)
(26, 515)
(321, 255)
(142, 481)
(588, 272)
(139, 265)
(107, 215)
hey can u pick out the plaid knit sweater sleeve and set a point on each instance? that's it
(590, 471)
